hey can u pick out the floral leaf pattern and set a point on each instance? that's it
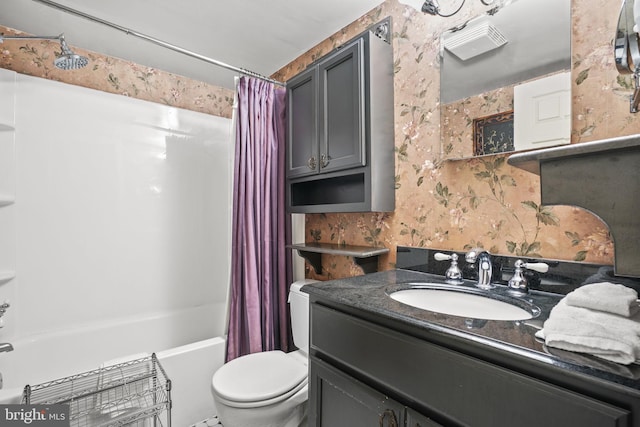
(459, 204)
(448, 204)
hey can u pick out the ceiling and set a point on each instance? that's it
(257, 35)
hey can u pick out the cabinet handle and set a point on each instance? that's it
(393, 422)
(324, 160)
(312, 163)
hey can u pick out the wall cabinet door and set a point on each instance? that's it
(338, 400)
(302, 149)
(341, 118)
(326, 114)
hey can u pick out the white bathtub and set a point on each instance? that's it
(185, 342)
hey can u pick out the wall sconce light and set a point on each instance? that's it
(432, 7)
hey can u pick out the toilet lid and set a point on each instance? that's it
(259, 376)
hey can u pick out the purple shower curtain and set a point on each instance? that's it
(258, 317)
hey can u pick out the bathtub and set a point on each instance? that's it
(189, 345)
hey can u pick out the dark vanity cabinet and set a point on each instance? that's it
(364, 372)
(340, 130)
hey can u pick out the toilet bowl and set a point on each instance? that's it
(268, 389)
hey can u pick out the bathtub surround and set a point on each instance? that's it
(258, 317)
(120, 238)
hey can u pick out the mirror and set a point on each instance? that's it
(627, 47)
(505, 82)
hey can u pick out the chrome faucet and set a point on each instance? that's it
(453, 274)
(518, 284)
(485, 270)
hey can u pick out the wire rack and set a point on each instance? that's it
(134, 393)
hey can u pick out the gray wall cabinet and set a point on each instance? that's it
(340, 144)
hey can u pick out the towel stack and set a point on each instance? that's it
(601, 319)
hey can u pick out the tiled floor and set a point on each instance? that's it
(208, 423)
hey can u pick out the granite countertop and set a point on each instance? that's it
(369, 293)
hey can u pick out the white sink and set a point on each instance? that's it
(465, 302)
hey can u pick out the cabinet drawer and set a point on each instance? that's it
(450, 385)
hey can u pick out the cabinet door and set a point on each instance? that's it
(342, 109)
(415, 419)
(302, 152)
(337, 400)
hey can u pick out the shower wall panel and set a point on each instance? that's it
(7, 194)
(122, 209)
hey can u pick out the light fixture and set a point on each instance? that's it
(67, 60)
(432, 7)
(473, 39)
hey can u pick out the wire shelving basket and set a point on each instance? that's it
(133, 393)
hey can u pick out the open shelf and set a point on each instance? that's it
(365, 256)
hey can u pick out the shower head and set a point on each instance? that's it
(67, 60)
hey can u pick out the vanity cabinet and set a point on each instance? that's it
(428, 383)
(340, 129)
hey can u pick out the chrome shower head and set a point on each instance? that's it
(69, 60)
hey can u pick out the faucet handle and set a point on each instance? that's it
(540, 267)
(453, 274)
(439, 256)
(518, 284)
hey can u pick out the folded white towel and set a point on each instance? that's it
(604, 335)
(605, 296)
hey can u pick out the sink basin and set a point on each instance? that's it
(465, 302)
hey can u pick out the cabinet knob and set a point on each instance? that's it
(324, 160)
(393, 421)
(312, 163)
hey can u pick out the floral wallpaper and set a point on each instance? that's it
(457, 204)
(440, 203)
(109, 74)
(457, 119)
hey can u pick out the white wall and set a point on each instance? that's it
(121, 210)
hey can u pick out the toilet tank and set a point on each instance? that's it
(299, 308)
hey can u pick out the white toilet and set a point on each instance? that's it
(268, 389)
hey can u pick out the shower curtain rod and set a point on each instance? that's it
(164, 44)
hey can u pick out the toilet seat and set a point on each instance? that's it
(259, 379)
